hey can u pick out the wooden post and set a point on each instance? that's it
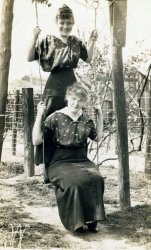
(121, 122)
(15, 121)
(148, 138)
(118, 11)
(28, 117)
(118, 16)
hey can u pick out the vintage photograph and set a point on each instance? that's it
(75, 124)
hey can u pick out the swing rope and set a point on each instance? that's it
(37, 23)
(41, 97)
(96, 6)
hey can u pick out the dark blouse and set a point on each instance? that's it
(56, 55)
(67, 132)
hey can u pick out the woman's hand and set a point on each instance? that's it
(91, 45)
(36, 32)
(98, 108)
(99, 119)
(31, 48)
(93, 36)
(41, 108)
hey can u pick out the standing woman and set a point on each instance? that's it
(79, 186)
(59, 56)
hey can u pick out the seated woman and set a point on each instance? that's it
(79, 185)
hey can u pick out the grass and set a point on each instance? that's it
(19, 230)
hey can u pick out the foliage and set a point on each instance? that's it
(89, 3)
(138, 60)
(40, 1)
(99, 67)
(92, 76)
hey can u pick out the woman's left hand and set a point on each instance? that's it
(94, 36)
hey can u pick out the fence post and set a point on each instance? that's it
(28, 118)
(15, 121)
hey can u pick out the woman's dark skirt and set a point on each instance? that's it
(79, 188)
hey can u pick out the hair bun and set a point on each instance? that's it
(64, 12)
(65, 8)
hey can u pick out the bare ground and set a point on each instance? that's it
(29, 217)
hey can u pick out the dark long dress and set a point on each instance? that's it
(79, 186)
(59, 59)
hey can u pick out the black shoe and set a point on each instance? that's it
(80, 230)
(92, 226)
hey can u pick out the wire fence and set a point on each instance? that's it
(13, 145)
(137, 117)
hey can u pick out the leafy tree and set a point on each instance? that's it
(41, 1)
(5, 54)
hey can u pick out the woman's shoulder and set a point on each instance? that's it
(51, 117)
(62, 111)
(50, 38)
(46, 38)
(56, 115)
(55, 37)
(75, 39)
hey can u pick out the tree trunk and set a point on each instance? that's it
(121, 120)
(5, 54)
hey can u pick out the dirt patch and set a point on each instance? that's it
(29, 216)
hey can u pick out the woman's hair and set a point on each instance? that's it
(64, 12)
(78, 90)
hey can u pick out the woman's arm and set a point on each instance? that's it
(91, 44)
(37, 133)
(31, 48)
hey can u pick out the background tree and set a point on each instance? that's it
(5, 55)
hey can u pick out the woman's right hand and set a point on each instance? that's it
(41, 108)
(36, 32)
(98, 108)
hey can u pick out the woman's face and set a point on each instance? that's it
(75, 103)
(65, 26)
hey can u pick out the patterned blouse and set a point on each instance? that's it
(69, 133)
(56, 55)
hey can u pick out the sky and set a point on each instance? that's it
(138, 27)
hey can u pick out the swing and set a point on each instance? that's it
(95, 5)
